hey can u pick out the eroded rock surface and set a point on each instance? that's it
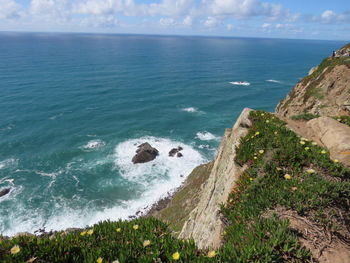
(204, 224)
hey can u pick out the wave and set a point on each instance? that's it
(94, 144)
(192, 110)
(8, 163)
(154, 181)
(275, 81)
(240, 83)
(206, 136)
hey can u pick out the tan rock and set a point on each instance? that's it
(333, 135)
(204, 224)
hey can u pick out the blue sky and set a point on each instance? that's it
(307, 19)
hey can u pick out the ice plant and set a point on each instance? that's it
(211, 254)
(99, 260)
(135, 227)
(176, 256)
(146, 243)
(15, 249)
(287, 177)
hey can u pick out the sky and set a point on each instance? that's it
(298, 19)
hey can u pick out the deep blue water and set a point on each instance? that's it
(74, 107)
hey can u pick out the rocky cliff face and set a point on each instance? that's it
(204, 224)
(325, 91)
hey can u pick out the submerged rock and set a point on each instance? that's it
(176, 151)
(5, 191)
(145, 153)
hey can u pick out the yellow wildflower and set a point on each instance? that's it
(255, 157)
(257, 133)
(146, 243)
(307, 148)
(90, 232)
(304, 139)
(275, 133)
(336, 160)
(267, 121)
(135, 227)
(176, 256)
(310, 171)
(118, 230)
(302, 142)
(313, 143)
(15, 249)
(211, 254)
(339, 119)
(251, 179)
(278, 169)
(252, 137)
(99, 260)
(83, 233)
(294, 188)
(261, 151)
(323, 152)
(262, 114)
(287, 177)
(115, 261)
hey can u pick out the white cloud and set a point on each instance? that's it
(188, 21)
(281, 27)
(166, 22)
(229, 27)
(211, 22)
(9, 9)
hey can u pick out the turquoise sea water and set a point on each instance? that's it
(74, 107)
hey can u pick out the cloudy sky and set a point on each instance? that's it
(310, 19)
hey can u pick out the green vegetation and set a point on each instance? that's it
(283, 171)
(185, 200)
(288, 171)
(343, 119)
(304, 117)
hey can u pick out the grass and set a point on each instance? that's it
(271, 151)
(185, 200)
(343, 119)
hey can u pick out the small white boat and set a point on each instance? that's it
(240, 83)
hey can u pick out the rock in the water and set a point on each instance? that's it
(176, 151)
(145, 153)
(4, 191)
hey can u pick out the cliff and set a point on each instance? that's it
(325, 91)
(204, 224)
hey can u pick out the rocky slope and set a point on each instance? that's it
(325, 91)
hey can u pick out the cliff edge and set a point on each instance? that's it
(325, 91)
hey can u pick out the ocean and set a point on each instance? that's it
(74, 108)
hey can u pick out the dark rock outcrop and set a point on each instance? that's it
(145, 153)
(4, 191)
(176, 151)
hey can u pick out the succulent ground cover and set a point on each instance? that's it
(286, 174)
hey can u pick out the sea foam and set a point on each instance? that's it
(206, 136)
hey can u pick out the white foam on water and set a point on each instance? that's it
(156, 179)
(94, 144)
(206, 136)
(8, 163)
(275, 81)
(240, 83)
(192, 110)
